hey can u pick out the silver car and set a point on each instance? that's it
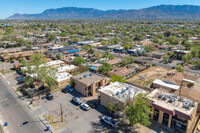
(108, 120)
(85, 106)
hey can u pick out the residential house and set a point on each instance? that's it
(122, 71)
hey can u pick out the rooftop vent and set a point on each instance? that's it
(186, 105)
(85, 75)
(171, 100)
(127, 88)
(117, 93)
(90, 74)
(181, 99)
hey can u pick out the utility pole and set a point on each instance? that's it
(180, 87)
(61, 112)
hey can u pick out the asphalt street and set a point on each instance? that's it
(19, 117)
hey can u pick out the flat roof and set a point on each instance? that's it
(166, 84)
(120, 91)
(62, 76)
(175, 107)
(88, 77)
(54, 62)
(66, 68)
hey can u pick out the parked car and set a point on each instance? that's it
(67, 90)
(12, 61)
(85, 106)
(20, 79)
(108, 120)
(49, 96)
(92, 104)
(77, 100)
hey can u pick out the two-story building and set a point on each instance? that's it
(88, 83)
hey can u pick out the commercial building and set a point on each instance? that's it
(172, 110)
(88, 83)
(117, 93)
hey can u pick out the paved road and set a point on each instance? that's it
(15, 112)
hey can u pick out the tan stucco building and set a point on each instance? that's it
(88, 83)
(172, 110)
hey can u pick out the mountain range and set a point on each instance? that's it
(188, 12)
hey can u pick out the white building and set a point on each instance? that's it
(118, 93)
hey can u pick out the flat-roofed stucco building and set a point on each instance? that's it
(172, 110)
(88, 83)
(63, 79)
(118, 93)
(174, 81)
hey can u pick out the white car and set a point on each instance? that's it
(85, 106)
(108, 120)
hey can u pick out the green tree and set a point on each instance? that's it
(86, 47)
(79, 60)
(51, 37)
(112, 107)
(139, 111)
(105, 68)
(180, 68)
(195, 52)
(58, 56)
(111, 57)
(115, 78)
(51, 82)
(187, 58)
(106, 54)
(91, 51)
(126, 46)
(196, 63)
(9, 30)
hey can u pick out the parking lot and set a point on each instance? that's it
(76, 119)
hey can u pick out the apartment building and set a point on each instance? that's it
(175, 112)
(88, 83)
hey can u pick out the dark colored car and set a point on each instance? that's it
(67, 90)
(20, 79)
(49, 96)
(92, 104)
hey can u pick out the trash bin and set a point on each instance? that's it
(47, 128)
(5, 123)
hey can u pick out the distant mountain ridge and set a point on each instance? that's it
(155, 12)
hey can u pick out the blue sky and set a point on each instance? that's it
(9, 7)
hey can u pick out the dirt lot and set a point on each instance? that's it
(146, 77)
